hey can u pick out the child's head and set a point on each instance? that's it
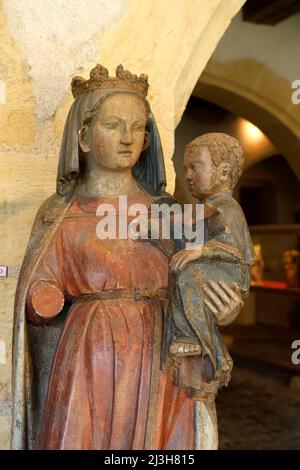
(212, 162)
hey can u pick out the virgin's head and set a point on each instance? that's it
(110, 126)
(114, 132)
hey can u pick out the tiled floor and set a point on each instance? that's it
(258, 411)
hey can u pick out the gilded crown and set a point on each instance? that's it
(99, 79)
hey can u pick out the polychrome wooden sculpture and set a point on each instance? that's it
(89, 322)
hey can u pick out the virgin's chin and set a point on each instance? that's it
(124, 165)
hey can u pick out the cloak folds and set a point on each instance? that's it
(25, 336)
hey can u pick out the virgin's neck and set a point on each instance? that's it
(107, 183)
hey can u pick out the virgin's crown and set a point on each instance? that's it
(99, 79)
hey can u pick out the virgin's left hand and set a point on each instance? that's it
(224, 301)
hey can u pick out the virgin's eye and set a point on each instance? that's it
(110, 124)
(139, 127)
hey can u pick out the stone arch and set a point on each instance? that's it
(251, 90)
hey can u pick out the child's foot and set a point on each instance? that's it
(183, 348)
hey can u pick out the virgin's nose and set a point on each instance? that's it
(188, 178)
(126, 137)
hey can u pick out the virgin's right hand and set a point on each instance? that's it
(224, 301)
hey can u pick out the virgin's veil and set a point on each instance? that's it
(149, 169)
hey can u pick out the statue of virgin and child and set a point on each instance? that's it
(92, 362)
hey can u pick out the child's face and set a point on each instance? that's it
(199, 171)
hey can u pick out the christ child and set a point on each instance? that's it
(213, 164)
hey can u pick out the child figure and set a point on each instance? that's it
(213, 164)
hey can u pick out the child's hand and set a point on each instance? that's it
(183, 257)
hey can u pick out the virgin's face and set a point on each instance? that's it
(116, 135)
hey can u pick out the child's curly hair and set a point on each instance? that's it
(223, 147)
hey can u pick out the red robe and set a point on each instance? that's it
(99, 389)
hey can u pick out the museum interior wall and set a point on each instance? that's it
(251, 73)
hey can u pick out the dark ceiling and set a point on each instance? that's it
(269, 12)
